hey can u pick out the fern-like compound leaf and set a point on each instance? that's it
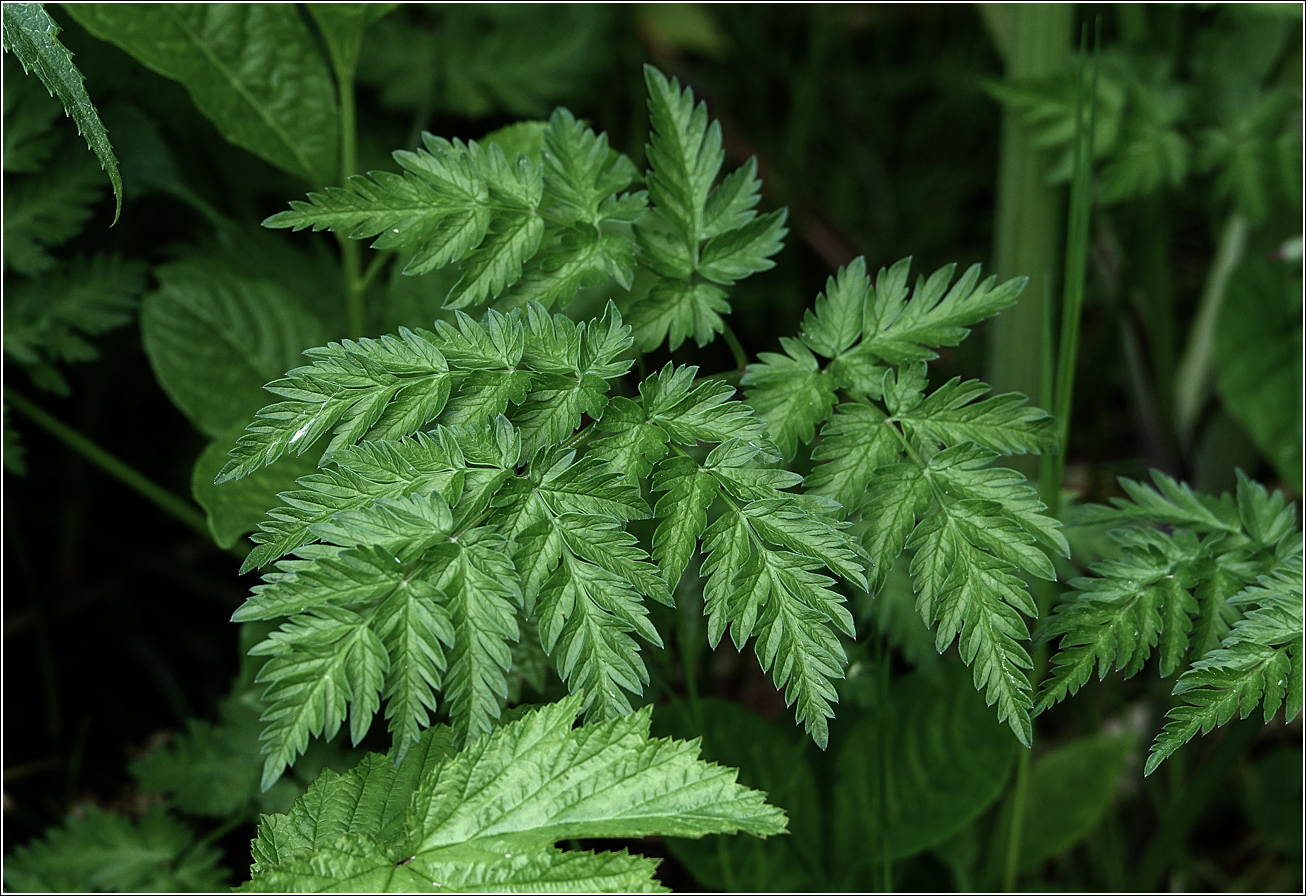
(47, 320)
(383, 388)
(359, 475)
(1218, 597)
(487, 817)
(455, 202)
(323, 663)
(684, 154)
(700, 238)
(676, 310)
(582, 174)
(861, 327)
(688, 490)
(1258, 666)
(791, 393)
(483, 601)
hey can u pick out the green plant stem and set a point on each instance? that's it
(1019, 798)
(375, 267)
(1072, 301)
(736, 349)
(174, 506)
(1061, 389)
(1183, 812)
(1197, 366)
(1035, 40)
(882, 686)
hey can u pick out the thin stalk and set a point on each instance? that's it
(736, 349)
(1019, 799)
(176, 507)
(1076, 266)
(1051, 470)
(882, 685)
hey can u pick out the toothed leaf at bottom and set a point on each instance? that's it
(488, 817)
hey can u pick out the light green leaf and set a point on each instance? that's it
(684, 155)
(375, 388)
(253, 69)
(679, 310)
(32, 36)
(746, 250)
(321, 662)
(856, 443)
(539, 781)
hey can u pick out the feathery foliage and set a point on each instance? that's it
(479, 480)
(540, 232)
(1218, 596)
(914, 468)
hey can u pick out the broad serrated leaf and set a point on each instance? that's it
(543, 781)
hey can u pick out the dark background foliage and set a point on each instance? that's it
(871, 123)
